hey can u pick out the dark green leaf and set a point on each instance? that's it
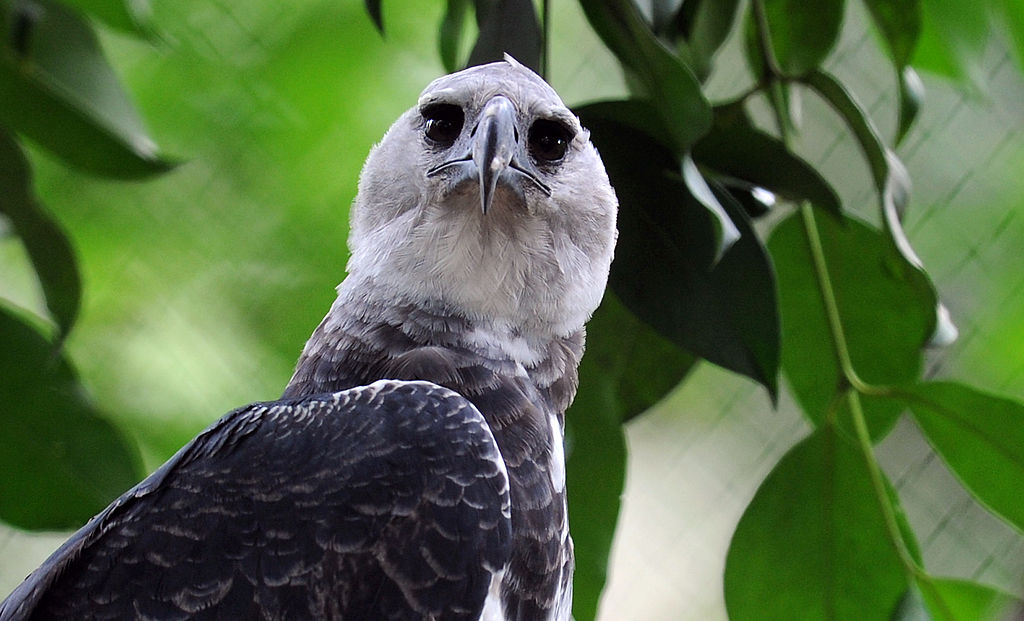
(980, 437)
(726, 232)
(373, 9)
(891, 180)
(885, 309)
(705, 25)
(665, 269)
(627, 369)
(738, 150)
(911, 99)
(899, 22)
(45, 242)
(450, 33)
(671, 86)
(131, 16)
(813, 543)
(507, 26)
(54, 443)
(61, 93)
(802, 32)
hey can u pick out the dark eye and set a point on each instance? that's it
(549, 140)
(444, 122)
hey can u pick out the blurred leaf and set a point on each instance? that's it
(130, 16)
(980, 437)
(953, 39)
(60, 92)
(813, 544)
(736, 149)
(450, 33)
(899, 22)
(671, 86)
(627, 369)
(507, 26)
(58, 447)
(802, 32)
(943, 599)
(45, 242)
(641, 365)
(911, 99)
(1011, 17)
(665, 269)
(885, 309)
(373, 9)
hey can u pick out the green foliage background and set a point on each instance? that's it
(201, 284)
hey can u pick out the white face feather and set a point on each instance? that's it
(535, 263)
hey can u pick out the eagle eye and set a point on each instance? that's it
(444, 122)
(548, 140)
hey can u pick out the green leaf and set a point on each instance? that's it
(450, 33)
(891, 180)
(802, 32)
(736, 149)
(373, 9)
(672, 87)
(813, 544)
(130, 16)
(953, 40)
(47, 246)
(665, 268)
(704, 25)
(52, 438)
(60, 92)
(507, 26)
(944, 599)
(627, 368)
(899, 22)
(726, 232)
(980, 437)
(885, 309)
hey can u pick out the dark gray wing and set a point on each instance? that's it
(387, 501)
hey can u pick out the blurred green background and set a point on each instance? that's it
(202, 285)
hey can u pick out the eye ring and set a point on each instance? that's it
(548, 141)
(443, 122)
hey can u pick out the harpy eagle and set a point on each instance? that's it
(413, 468)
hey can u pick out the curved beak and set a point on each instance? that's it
(494, 145)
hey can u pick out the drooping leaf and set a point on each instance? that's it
(45, 242)
(507, 26)
(130, 16)
(944, 599)
(813, 544)
(980, 437)
(373, 9)
(899, 22)
(450, 33)
(60, 92)
(911, 99)
(891, 180)
(802, 32)
(50, 443)
(628, 368)
(665, 268)
(885, 309)
(738, 150)
(672, 88)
